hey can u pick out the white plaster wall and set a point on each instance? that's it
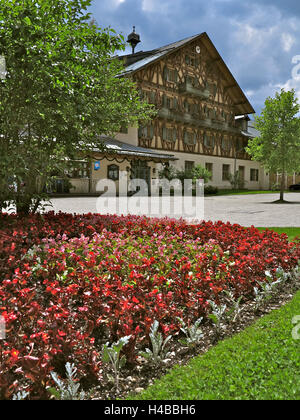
(130, 138)
(218, 163)
(81, 185)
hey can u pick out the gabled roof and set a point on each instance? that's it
(140, 60)
(135, 62)
(252, 131)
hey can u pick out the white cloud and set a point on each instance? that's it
(156, 6)
(148, 6)
(249, 93)
(287, 41)
(257, 39)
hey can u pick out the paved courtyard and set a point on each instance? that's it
(247, 210)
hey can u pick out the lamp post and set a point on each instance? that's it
(235, 163)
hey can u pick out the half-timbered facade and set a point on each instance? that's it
(203, 114)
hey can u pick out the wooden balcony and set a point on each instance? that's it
(194, 120)
(190, 89)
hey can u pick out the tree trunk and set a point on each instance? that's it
(282, 187)
(23, 207)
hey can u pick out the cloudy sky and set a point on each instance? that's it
(258, 39)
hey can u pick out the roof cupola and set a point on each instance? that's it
(133, 39)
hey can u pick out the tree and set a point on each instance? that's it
(278, 147)
(61, 91)
(196, 173)
(236, 180)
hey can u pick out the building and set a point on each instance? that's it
(203, 118)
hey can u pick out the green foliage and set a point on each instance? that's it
(168, 172)
(278, 147)
(236, 181)
(112, 354)
(158, 353)
(193, 333)
(235, 309)
(60, 93)
(217, 316)
(69, 389)
(198, 172)
(209, 189)
(264, 292)
(261, 363)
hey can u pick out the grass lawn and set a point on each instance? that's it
(245, 192)
(261, 363)
(292, 232)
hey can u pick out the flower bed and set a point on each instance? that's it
(69, 284)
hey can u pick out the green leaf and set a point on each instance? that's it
(27, 21)
(214, 318)
(53, 391)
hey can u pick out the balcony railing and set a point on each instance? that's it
(187, 88)
(192, 119)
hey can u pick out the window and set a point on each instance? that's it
(124, 129)
(205, 112)
(169, 103)
(152, 97)
(187, 106)
(77, 169)
(173, 76)
(191, 61)
(209, 141)
(254, 175)
(240, 147)
(146, 132)
(193, 81)
(148, 95)
(188, 165)
(223, 116)
(213, 114)
(194, 108)
(170, 75)
(190, 138)
(209, 168)
(226, 145)
(169, 134)
(226, 172)
(242, 173)
(113, 172)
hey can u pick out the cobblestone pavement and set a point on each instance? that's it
(258, 210)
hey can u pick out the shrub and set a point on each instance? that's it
(209, 189)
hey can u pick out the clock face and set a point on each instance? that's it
(198, 49)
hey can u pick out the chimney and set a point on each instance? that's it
(133, 39)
